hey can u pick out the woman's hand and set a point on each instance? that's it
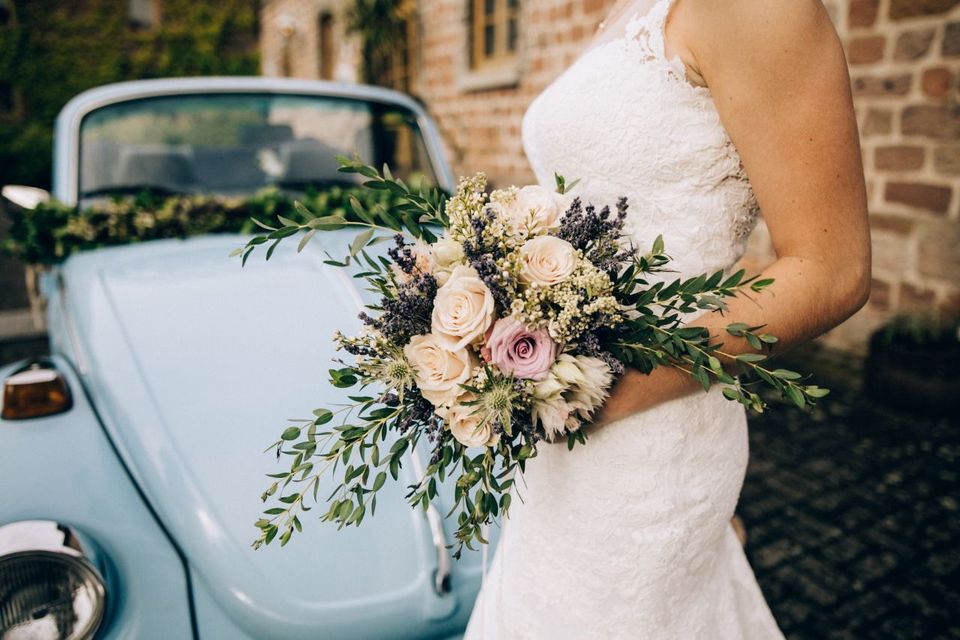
(635, 391)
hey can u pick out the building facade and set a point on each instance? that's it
(477, 65)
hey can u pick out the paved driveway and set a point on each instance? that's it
(853, 522)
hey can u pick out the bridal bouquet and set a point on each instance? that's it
(503, 320)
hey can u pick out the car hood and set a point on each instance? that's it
(195, 365)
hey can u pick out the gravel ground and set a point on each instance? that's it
(852, 520)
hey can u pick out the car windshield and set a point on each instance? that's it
(235, 144)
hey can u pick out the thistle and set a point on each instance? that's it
(497, 397)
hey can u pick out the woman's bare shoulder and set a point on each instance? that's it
(719, 31)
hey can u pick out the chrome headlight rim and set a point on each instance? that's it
(74, 562)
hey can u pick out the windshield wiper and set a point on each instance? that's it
(133, 189)
(319, 185)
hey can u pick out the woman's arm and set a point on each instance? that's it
(778, 77)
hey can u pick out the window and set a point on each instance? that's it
(7, 101)
(326, 46)
(405, 63)
(494, 31)
(143, 13)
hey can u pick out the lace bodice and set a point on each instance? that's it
(625, 121)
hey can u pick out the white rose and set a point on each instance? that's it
(463, 308)
(439, 371)
(465, 426)
(547, 260)
(537, 209)
(447, 255)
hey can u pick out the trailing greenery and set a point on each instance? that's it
(50, 51)
(53, 231)
(401, 208)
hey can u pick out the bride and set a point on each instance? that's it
(703, 113)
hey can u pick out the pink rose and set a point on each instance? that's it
(517, 350)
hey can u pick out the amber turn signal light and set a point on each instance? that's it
(33, 392)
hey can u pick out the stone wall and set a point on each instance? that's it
(904, 58)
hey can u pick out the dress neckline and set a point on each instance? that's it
(647, 33)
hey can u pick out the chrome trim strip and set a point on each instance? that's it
(441, 577)
(73, 335)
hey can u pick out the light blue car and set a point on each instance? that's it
(131, 458)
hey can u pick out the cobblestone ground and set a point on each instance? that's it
(852, 520)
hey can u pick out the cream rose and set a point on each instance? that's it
(439, 371)
(463, 308)
(536, 209)
(447, 255)
(465, 425)
(547, 260)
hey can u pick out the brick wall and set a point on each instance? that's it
(482, 127)
(904, 60)
(290, 39)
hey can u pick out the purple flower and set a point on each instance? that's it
(517, 350)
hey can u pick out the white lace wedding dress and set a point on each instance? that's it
(630, 535)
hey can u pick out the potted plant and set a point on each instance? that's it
(914, 364)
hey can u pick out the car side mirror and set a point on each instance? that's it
(25, 197)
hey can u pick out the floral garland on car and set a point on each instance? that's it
(503, 320)
(53, 231)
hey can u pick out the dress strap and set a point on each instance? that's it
(648, 29)
(648, 32)
(659, 36)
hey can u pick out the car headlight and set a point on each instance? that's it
(52, 592)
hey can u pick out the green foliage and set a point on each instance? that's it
(53, 231)
(657, 337)
(381, 28)
(933, 330)
(399, 208)
(50, 51)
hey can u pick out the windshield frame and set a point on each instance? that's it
(67, 136)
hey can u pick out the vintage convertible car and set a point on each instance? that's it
(132, 456)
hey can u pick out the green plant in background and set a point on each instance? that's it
(381, 26)
(51, 50)
(53, 231)
(933, 330)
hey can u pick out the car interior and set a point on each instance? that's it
(293, 155)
